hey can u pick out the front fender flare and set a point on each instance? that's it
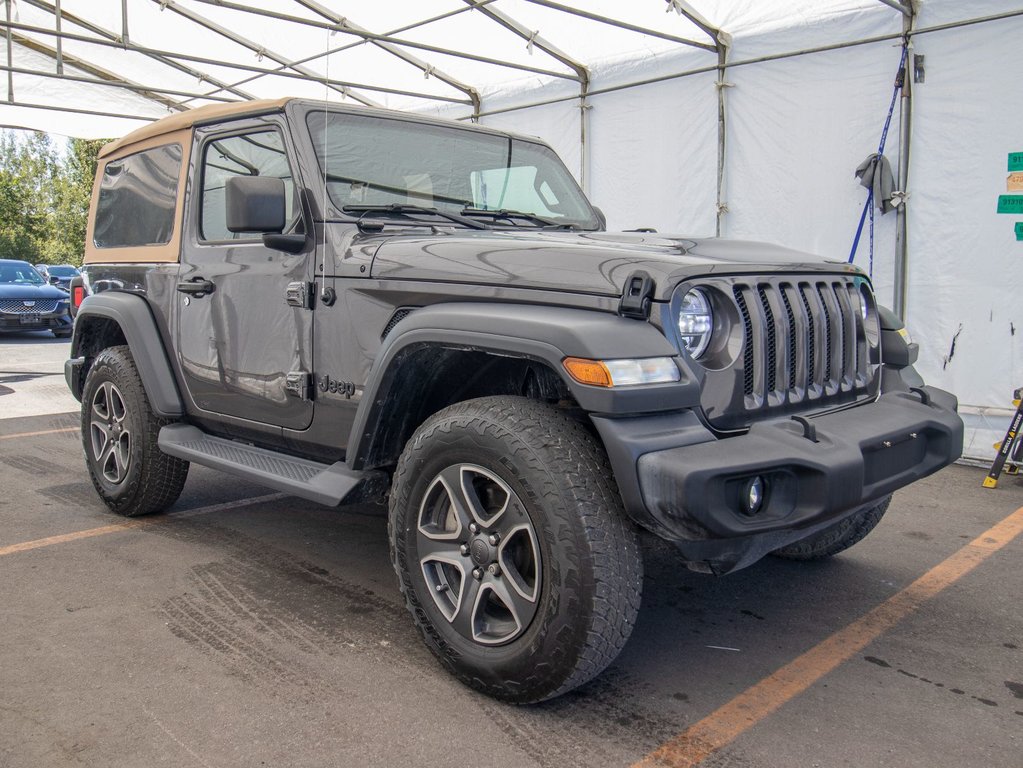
(545, 334)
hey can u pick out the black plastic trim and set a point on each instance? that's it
(135, 319)
(547, 334)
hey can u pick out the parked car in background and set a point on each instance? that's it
(29, 303)
(59, 275)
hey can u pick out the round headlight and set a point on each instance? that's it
(695, 322)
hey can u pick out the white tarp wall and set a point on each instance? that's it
(797, 129)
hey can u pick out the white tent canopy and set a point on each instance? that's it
(739, 117)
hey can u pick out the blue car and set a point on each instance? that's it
(59, 275)
(29, 303)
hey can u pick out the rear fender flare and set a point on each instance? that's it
(133, 316)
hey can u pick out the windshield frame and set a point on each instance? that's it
(335, 212)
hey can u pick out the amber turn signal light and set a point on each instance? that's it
(592, 372)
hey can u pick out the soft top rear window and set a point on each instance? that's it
(137, 199)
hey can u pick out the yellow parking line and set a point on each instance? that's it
(727, 723)
(40, 432)
(128, 524)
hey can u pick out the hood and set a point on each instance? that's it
(583, 262)
(31, 292)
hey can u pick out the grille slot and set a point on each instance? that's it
(747, 341)
(17, 306)
(803, 345)
(772, 346)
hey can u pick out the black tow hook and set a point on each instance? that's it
(809, 430)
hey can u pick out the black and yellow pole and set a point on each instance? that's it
(1005, 447)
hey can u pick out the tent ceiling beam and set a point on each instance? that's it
(532, 38)
(150, 92)
(340, 48)
(260, 50)
(111, 36)
(427, 69)
(80, 111)
(898, 6)
(388, 38)
(341, 24)
(622, 24)
(100, 75)
(684, 9)
(263, 71)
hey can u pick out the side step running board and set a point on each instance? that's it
(324, 483)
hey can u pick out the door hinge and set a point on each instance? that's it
(298, 384)
(300, 294)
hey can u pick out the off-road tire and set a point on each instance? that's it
(838, 537)
(590, 564)
(152, 480)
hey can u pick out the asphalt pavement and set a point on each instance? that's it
(248, 628)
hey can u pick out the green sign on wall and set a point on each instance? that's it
(1019, 230)
(1010, 204)
(1016, 161)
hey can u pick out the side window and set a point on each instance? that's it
(137, 198)
(249, 154)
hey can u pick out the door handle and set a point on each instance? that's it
(197, 287)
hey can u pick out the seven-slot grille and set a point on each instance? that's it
(802, 339)
(17, 306)
(796, 344)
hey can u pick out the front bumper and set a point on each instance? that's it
(36, 321)
(691, 493)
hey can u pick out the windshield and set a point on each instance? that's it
(63, 271)
(373, 161)
(21, 274)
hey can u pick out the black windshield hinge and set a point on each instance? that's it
(300, 294)
(636, 298)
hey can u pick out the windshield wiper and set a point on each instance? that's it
(404, 209)
(512, 215)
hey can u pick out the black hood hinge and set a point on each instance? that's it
(637, 296)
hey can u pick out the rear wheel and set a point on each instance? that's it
(838, 537)
(512, 549)
(119, 434)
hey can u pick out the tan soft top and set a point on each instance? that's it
(188, 118)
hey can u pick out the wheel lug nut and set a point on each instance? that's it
(464, 549)
(477, 573)
(494, 539)
(473, 528)
(494, 569)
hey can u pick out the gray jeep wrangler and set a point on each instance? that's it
(346, 304)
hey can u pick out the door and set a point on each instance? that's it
(244, 351)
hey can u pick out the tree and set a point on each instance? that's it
(44, 197)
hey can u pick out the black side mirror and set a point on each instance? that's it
(53, 279)
(255, 204)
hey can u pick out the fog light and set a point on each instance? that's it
(753, 495)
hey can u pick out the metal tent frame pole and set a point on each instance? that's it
(901, 276)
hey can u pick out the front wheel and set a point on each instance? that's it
(512, 548)
(119, 433)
